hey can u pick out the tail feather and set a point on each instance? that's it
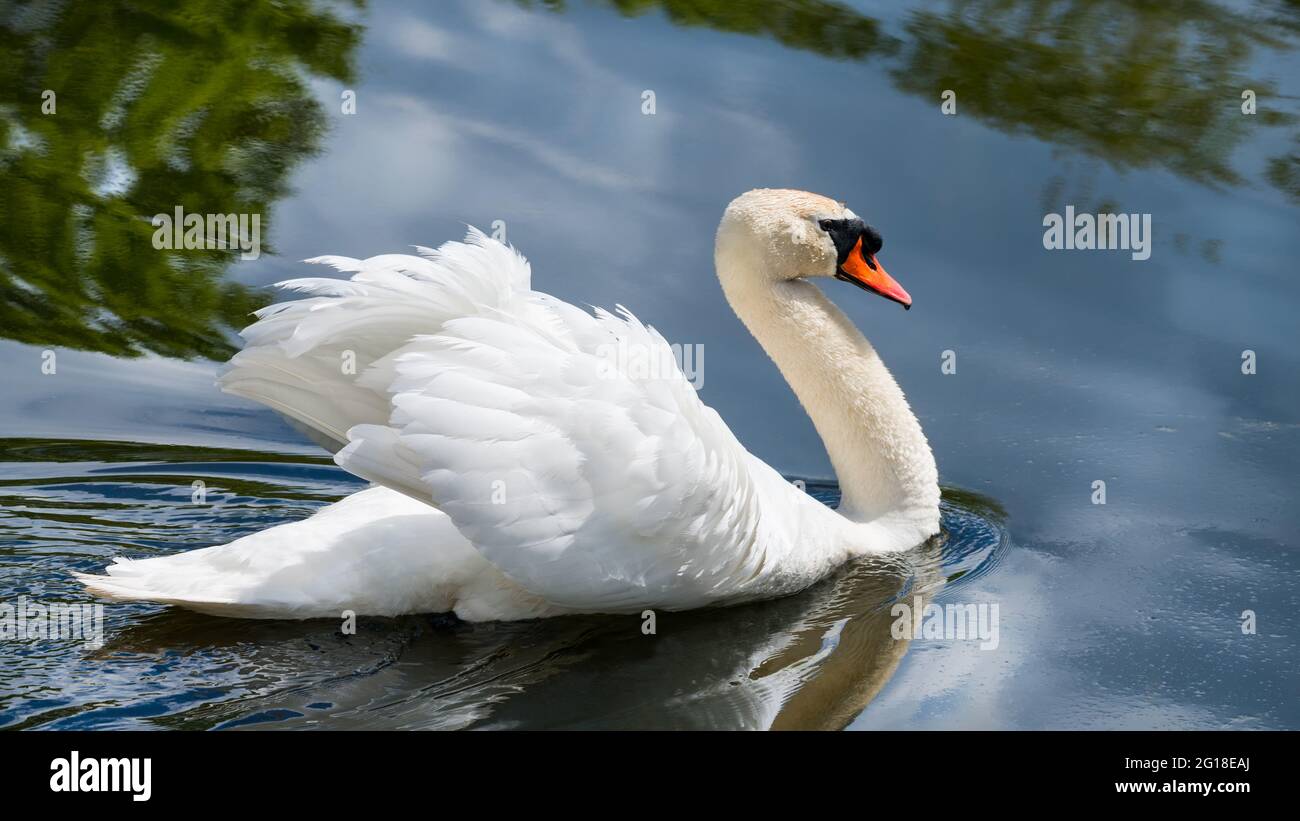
(375, 553)
(118, 586)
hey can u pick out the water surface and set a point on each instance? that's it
(808, 661)
(1072, 367)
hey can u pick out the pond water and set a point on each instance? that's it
(1071, 367)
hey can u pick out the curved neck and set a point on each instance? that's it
(875, 443)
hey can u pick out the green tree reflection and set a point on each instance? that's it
(819, 26)
(194, 103)
(1135, 83)
(1284, 173)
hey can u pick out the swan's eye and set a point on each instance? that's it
(826, 225)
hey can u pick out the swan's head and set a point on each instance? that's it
(769, 235)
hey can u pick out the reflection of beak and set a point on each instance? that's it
(864, 271)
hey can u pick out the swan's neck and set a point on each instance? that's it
(881, 458)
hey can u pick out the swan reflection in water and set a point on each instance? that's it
(813, 660)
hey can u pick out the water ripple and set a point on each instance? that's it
(811, 660)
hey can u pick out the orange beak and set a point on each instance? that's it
(864, 271)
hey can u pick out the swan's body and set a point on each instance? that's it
(524, 470)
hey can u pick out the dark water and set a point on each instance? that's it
(1072, 366)
(809, 660)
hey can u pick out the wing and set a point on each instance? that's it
(322, 361)
(567, 447)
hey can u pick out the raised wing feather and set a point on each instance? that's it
(590, 481)
(303, 358)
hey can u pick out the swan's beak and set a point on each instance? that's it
(864, 271)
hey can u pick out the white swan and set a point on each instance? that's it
(524, 470)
